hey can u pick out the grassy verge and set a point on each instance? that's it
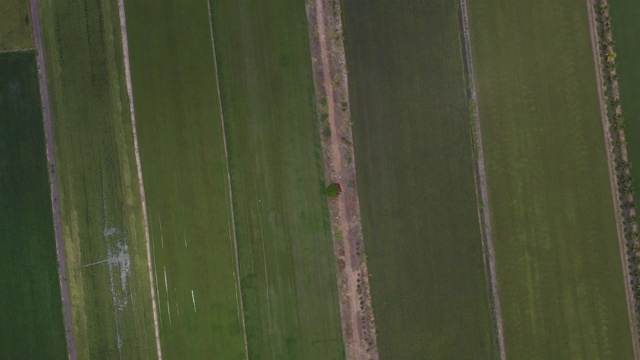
(15, 25)
(99, 195)
(285, 247)
(184, 169)
(414, 158)
(558, 261)
(30, 306)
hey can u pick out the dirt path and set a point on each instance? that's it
(127, 71)
(229, 188)
(482, 185)
(53, 179)
(330, 76)
(613, 179)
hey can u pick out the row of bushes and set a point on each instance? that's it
(623, 166)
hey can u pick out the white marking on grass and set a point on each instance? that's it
(96, 263)
(229, 189)
(193, 299)
(166, 288)
(127, 72)
(184, 236)
(177, 309)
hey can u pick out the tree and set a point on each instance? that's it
(333, 190)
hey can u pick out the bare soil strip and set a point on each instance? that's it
(613, 179)
(482, 182)
(127, 71)
(53, 180)
(17, 50)
(332, 97)
(229, 188)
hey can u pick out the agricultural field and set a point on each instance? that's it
(415, 164)
(185, 176)
(30, 303)
(285, 248)
(99, 195)
(626, 33)
(15, 25)
(557, 252)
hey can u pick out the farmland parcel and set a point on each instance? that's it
(185, 176)
(415, 166)
(30, 307)
(99, 194)
(626, 33)
(558, 260)
(284, 241)
(15, 25)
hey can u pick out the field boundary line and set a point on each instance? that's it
(150, 265)
(613, 179)
(229, 187)
(331, 88)
(19, 50)
(482, 183)
(53, 180)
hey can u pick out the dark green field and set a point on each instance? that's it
(416, 180)
(282, 221)
(558, 260)
(99, 194)
(184, 169)
(626, 33)
(15, 25)
(30, 308)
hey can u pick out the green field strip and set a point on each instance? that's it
(15, 25)
(100, 203)
(32, 325)
(558, 261)
(282, 221)
(626, 34)
(184, 169)
(415, 166)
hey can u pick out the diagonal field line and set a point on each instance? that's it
(482, 177)
(229, 188)
(53, 180)
(127, 71)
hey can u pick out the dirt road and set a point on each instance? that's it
(53, 179)
(330, 76)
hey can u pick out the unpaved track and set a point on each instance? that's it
(482, 181)
(127, 71)
(330, 76)
(613, 179)
(53, 179)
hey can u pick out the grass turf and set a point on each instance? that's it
(15, 25)
(626, 33)
(30, 307)
(413, 153)
(558, 261)
(99, 194)
(184, 169)
(285, 247)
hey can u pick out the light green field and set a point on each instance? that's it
(99, 193)
(415, 168)
(558, 261)
(15, 25)
(30, 308)
(282, 221)
(184, 169)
